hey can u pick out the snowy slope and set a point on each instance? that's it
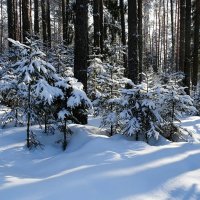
(96, 167)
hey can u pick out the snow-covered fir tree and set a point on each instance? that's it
(104, 82)
(42, 93)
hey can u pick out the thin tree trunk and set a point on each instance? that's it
(44, 23)
(48, 18)
(101, 26)
(187, 62)
(1, 28)
(140, 39)
(28, 116)
(172, 34)
(182, 36)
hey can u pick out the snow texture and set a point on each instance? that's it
(98, 167)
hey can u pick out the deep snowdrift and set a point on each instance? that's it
(96, 167)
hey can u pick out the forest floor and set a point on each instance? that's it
(96, 167)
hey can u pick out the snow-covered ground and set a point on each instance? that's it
(95, 167)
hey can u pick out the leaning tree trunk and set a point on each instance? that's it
(81, 48)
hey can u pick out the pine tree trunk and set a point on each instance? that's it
(140, 39)
(20, 21)
(187, 62)
(196, 43)
(172, 34)
(26, 21)
(48, 19)
(1, 28)
(123, 37)
(81, 47)
(44, 23)
(36, 17)
(28, 116)
(96, 18)
(182, 36)
(10, 12)
(133, 71)
(101, 26)
(64, 22)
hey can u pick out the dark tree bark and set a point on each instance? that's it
(101, 26)
(44, 22)
(96, 18)
(172, 34)
(36, 17)
(182, 36)
(16, 21)
(64, 21)
(140, 39)
(48, 19)
(20, 21)
(26, 21)
(133, 71)
(123, 29)
(187, 62)
(81, 47)
(196, 43)
(1, 27)
(10, 11)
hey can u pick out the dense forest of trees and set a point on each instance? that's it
(108, 45)
(165, 34)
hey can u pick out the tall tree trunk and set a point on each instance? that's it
(172, 34)
(64, 22)
(133, 71)
(140, 38)
(81, 47)
(20, 21)
(177, 35)
(1, 28)
(16, 21)
(182, 36)
(48, 19)
(96, 18)
(123, 29)
(36, 17)
(26, 21)
(101, 26)
(44, 22)
(187, 62)
(196, 43)
(11, 28)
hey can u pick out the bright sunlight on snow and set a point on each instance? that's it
(96, 167)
